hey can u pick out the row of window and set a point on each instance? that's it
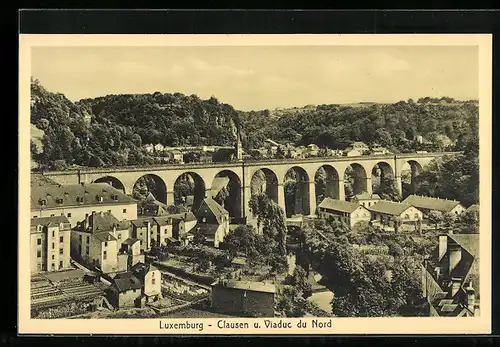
(39, 241)
(86, 215)
(39, 253)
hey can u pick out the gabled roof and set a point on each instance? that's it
(126, 281)
(217, 210)
(339, 205)
(45, 221)
(130, 241)
(366, 196)
(141, 222)
(389, 207)
(429, 203)
(58, 196)
(140, 268)
(473, 208)
(105, 237)
(103, 221)
(247, 285)
(207, 229)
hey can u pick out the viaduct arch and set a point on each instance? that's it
(333, 169)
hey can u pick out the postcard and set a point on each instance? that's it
(255, 184)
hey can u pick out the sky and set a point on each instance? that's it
(256, 78)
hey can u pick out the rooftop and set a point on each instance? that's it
(214, 207)
(366, 196)
(339, 205)
(126, 281)
(45, 221)
(246, 285)
(48, 196)
(389, 207)
(207, 229)
(103, 221)
(429, 203)
(105, 237)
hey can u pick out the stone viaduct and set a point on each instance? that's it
(240, 174)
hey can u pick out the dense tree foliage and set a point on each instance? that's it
(111, 130)
(393, 125)
(370, 273)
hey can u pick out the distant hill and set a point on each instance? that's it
(112, 130)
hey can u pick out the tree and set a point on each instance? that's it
(130, 259)
(290, 302)
(448, 220)
(191, 157)
(199, 239)
(300, 281)
(435, 217)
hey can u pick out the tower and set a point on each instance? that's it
(238, 148)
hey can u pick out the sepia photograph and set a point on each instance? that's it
(201, 183)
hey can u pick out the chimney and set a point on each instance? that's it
(455, 256)
(455, 286)
(471, 297)
(443, 243)
(437, 269)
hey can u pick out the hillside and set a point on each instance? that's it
(111, 130)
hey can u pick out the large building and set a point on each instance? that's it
(78, 201)
(387, 212)
(450, 276)
(351, 213)
(50, 243)
(213, 221)
(102, 241)
(254, 299)
(365, 199)
(427, 204)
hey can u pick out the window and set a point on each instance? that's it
(53, 257)
(141, 242)
(80, 238)
(61, 251)
(416, 216)
(62, 213)
(124, 210)
(153, 274)
(88, 239)
(61, 239)
(87, 250)
(35, 216)
(39, 241)
(119, 236)
(109, 211)
(407, 216)
(69, 214)
(53, 266)
(60, 264)
(105, 245)
(53, 233)
(38, 254)
(53, 245)
(153, 281)
(104, 255)
(79, 249)
(52, 215)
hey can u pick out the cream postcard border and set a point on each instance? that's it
(420, 325)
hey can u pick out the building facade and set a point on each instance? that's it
(450, 276)
(125, 291)
(428, 204)
(350, 213)
(212, 221)
(150, 278)
(50, 244)
(97, 241)
(387, 213)
(366, 200)
(254, 299)
(78, 201)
